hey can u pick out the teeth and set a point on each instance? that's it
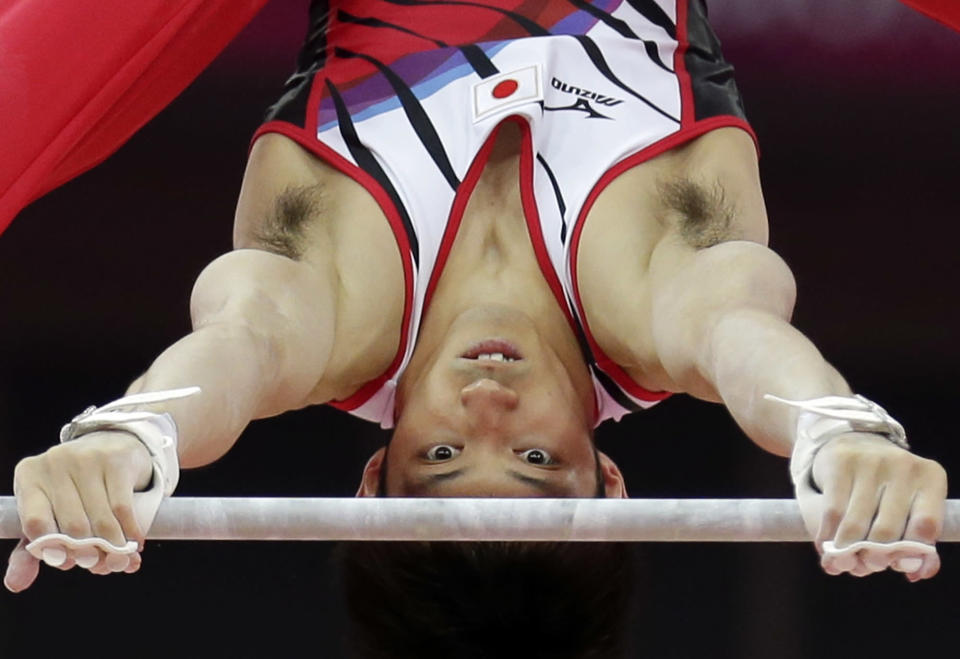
(495, 357)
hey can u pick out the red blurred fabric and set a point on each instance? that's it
(945, 11)
(77, 79)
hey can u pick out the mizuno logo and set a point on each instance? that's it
(609, 101)
(580, 105)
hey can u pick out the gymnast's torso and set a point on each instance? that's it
(418, 140)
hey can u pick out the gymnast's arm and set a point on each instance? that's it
(256, 350)
(720, 330)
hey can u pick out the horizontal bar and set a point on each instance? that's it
(626, 520)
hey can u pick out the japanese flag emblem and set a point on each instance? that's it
(505, 91)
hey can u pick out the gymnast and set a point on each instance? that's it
(492, 248)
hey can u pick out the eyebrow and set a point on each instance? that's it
(544, 485)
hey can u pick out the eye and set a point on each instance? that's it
(536, 456)
(441, 453)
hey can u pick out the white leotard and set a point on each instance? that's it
(592, 101)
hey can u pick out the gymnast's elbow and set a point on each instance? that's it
(697, 293)
(752, 276)
(692, 289)
(259, 296)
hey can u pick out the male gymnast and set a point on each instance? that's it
(492, 226)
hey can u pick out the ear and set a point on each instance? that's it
(371, 474)
(612, 478)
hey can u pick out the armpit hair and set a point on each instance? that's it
(701, 213)
(282, 231)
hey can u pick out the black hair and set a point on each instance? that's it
(282, 230)
(426, 600)
(701, 213)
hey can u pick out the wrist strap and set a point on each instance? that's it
(157, 432)
(824, 418)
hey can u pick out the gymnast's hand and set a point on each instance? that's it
(82, 489)
(876, 491)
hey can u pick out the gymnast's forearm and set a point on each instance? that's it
(752, 352)
(723, 332)
(226, 361)
(725, 335)
(263, 334)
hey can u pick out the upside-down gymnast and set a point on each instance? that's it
(492, 228)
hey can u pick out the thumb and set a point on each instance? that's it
(22, 569)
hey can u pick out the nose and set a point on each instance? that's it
(487, 400)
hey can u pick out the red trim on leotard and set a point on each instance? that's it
(689, 129)
(457, 209)
(531, 214)
(306, 137)
(604, 362)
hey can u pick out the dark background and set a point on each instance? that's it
(855, 106)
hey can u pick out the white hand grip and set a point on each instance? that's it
(881, 552)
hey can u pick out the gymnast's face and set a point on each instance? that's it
(494, 417)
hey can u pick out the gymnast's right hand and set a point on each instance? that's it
(82, 489)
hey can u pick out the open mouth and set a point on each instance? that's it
(496, 350)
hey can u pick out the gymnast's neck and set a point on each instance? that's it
(491, 285)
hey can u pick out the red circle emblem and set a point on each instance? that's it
(505, 88)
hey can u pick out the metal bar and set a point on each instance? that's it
(626, 520)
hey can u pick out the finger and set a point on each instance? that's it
(86, 557)
(893, 512)
(858, 517)
(836, 498)
(110, 563)
(874, 560)
(22, 569)
(906, 562)
(36, 513)
(71, 519)
(68, 508)
(835, 564)
(103, 524)
(931, 565)
(67, 564)
(116, 562)
(54, 556)
(135, 562)
(861, 569)
(830, 565)
(926, 516)
(120, 487)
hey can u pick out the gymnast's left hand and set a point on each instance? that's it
(876, 491)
